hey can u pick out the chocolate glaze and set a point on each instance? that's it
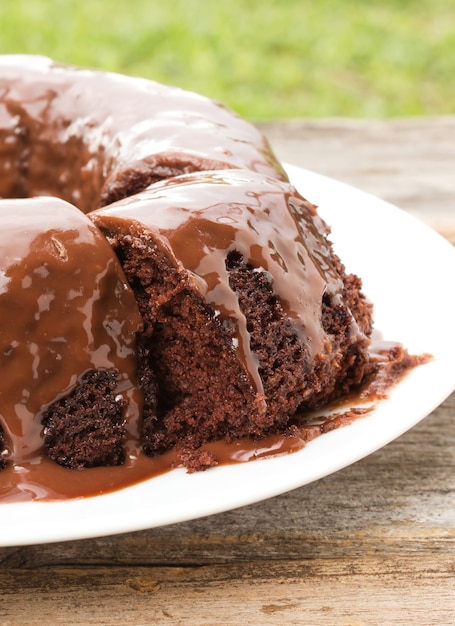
(65, 309)
(48, 481)
(266, 221)
(92, 137)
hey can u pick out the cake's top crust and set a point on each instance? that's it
(92, 137)
(65, 308)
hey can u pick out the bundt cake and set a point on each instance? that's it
(199, 299)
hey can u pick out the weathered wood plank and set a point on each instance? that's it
(350, 591)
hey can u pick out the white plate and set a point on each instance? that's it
(408, 272)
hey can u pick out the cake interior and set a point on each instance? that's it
(202, 392)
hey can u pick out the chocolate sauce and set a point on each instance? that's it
(47, 481)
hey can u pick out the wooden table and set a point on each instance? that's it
(372, 544)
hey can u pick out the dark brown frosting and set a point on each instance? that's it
(91, 137)
(48, 481)
(65, 309)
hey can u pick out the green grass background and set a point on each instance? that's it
(267, 59)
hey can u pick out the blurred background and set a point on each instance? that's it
(267, 59)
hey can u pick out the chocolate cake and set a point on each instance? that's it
(199, 300)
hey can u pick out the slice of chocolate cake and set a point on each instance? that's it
(248, 313)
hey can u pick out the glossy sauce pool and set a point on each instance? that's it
(44, 480)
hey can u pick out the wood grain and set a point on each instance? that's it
(372, 544)
(364, 591)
